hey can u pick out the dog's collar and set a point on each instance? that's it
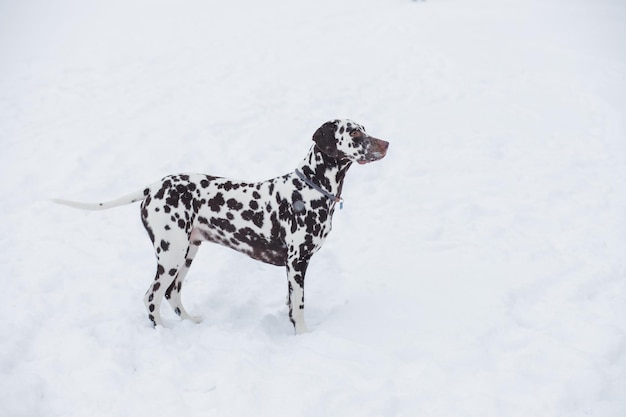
(316, 187)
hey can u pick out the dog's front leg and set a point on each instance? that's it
(296, 270)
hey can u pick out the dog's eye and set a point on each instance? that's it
(357, 137)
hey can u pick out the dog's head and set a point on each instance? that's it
(347, 140)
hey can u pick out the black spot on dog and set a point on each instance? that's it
(312, 225)
(187, 199)
(257, 219)
(223, 225)
(172, 198)
(284, 209)
(247, 215)
(164, 186)
(234, 204)
(299, 279)
(323, 215)
(319, 203)
(216, 202)
(278, 232)
(197, 204)
(165, 245)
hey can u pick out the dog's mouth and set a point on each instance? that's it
(375, 156)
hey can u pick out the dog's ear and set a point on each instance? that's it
(324, 138)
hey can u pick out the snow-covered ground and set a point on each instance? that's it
(478, 270)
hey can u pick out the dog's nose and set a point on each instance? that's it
(380, 145)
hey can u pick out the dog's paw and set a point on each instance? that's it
(301, 329)
(196, 319)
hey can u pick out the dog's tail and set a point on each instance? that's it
(127, 199)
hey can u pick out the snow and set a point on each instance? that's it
(478, 270)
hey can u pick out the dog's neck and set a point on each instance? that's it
(326, 172)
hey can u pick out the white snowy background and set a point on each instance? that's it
(478, 270)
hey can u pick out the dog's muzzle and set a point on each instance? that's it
(377, 150)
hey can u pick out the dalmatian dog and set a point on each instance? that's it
(282, 221)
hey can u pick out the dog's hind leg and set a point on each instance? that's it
(171, 258)
(153, 297)
(173, 296)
